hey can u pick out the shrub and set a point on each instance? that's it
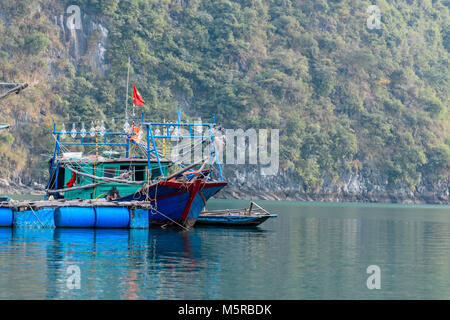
(36, 43)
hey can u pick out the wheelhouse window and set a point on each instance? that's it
(138, 171)
(124, 168)
(110, 172)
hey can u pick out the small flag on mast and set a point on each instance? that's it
(137, 98)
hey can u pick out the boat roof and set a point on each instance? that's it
(110, 161)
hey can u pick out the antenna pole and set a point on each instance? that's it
(128, 84)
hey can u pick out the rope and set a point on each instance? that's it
(154, 209)
(36, 216)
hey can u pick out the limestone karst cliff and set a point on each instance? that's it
(362, 110)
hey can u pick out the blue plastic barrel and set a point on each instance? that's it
(112, 217)
(74, 217)
(6, 217)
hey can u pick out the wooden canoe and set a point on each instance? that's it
(252, 216)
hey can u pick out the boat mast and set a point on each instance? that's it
(128, 84)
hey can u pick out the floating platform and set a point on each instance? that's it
(75, 214)
(248, 217)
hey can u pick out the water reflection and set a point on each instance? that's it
(306, 253)
(114, 264)
(5, 236)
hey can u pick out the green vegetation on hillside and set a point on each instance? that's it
(346, 98)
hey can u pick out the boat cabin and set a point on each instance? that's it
(65, 179)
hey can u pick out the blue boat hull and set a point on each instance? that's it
(172, 202)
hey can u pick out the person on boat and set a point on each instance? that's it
(114, 193)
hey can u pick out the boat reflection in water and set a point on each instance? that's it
(126, 263)
(119, 263)
(5, 236)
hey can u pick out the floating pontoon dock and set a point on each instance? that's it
(76, 214)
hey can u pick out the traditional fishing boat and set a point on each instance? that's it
(176, 198)
(107, 188)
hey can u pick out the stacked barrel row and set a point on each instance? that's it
(76, 217)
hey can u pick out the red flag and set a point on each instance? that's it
(137, 98)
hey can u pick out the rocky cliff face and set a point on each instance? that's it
(248, 183)
(87, 44)
(85, 41)
(11, 187)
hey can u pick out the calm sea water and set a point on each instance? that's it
(311, 251)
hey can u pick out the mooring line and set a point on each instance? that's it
(36, 216)
(186, 229)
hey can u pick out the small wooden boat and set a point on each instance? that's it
(252, 216)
